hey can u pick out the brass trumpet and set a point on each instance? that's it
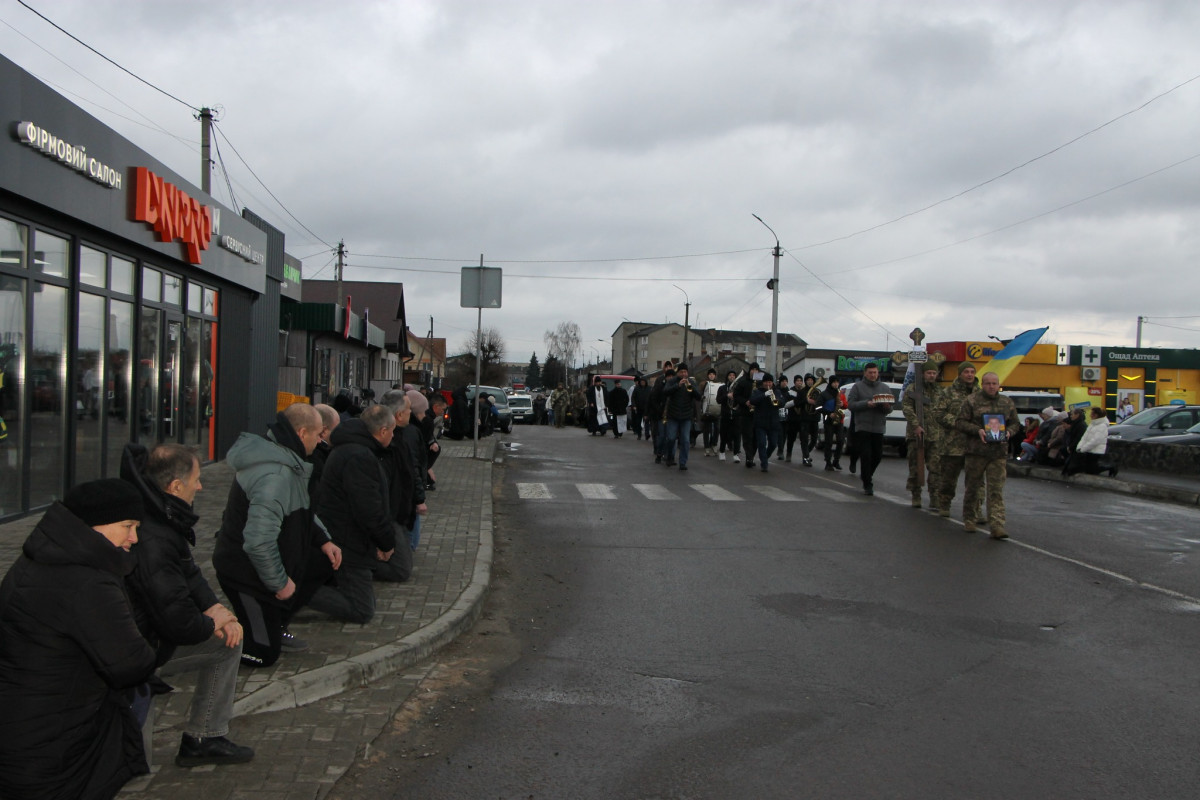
(815, 392)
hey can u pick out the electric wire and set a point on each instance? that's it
(106, 58)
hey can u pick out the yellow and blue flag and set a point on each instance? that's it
(1004, 362)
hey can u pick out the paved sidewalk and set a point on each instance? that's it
(372, 664)
(1184, 489)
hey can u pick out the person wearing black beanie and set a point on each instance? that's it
(70, 651)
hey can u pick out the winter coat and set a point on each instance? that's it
(618, 401)
(267, 532)
(69, 650)
(766, 413)
(742, 388)
(354, 495)
(1095, 438)
(641, 398)
(680, 398)
(168, 591)
(868, 419)
(970, 422)
(945, 412)
(933, 431)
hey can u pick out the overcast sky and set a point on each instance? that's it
(603, 153)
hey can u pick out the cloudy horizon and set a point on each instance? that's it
(973, 169)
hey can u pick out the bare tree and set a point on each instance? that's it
(491, 355)
(563, 342)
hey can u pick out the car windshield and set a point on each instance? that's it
(1148, 417)
(520, 402)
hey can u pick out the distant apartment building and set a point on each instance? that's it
(645, 347)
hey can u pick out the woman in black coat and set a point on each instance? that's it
(70, 651)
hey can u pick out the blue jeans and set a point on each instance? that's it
(768, 440)
(680, 429)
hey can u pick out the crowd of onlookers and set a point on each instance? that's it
(1074, 440)
(106, 600)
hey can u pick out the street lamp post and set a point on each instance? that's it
(774, 286)
(687, 308)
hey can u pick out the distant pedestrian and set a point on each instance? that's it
(618, 407)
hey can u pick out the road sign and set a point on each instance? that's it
(480, 287)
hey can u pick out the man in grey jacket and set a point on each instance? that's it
(870, 417)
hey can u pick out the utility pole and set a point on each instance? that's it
(1138, 343)
(773, 285)
(341, 257)
(206, 120)
(687, 307)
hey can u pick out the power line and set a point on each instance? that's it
(564, 261)
(1006, 172)
(264, 186)
(106, 58)
(608, 278)
(1020, 222)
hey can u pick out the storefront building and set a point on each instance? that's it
(130, 302)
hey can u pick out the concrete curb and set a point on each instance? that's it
(1153, 491)
(355, 672)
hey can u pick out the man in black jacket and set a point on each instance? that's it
(354, 507)
(618, 404)
(680, 395)
(406, 470)
(743, 413)
(177, 611)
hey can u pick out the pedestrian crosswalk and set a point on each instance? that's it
(655, 491)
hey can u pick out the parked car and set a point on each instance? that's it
(1155, 422)
(522, 407)
(1189, 437)
(503, 410)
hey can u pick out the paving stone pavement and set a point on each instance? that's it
(314, 712)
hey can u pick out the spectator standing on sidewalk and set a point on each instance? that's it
(268, 534)
(411, 457)
(71, 653)
(354, 506)
(177, 611)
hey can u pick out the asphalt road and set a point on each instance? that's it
(723, 633)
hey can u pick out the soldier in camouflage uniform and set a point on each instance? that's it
(923, 437)
(987, 451)
(951, 446)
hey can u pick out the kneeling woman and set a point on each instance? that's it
(70, 651)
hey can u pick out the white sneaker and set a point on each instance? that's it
(736, 458)
(721, 455)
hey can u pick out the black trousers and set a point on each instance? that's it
(870, 453)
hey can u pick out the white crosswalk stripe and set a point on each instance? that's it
(775, 493)
(657, 491)
(654, 491)
(714, 492)
(830, 494)
(596, 491)
(533, 491)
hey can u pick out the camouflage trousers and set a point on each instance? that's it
(949, 468)
(932, 475)
(985, 476)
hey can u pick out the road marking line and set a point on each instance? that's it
(596, 491)
(654, 491)
(828, 494)
(714, 492)
(775, 493)
(533, 491)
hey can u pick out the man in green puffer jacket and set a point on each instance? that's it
(269, 535)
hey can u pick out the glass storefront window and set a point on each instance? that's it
(151, 285)
(120, 276)
(12, 384)
(147, 377)
(210, 302)
(47, 373)
(89, 381)
(13, 244)
(117, 379)
(172, 289)
(51, 254)
(93, 267)
(195, 298)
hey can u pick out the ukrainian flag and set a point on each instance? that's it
(1004, 362)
